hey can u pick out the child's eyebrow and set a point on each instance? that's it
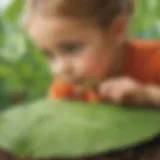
(67, 43)
(45, 51)
(48, 54)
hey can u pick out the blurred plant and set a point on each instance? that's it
(12, 13)
(24, 73)
(152, 33)
(147, 13)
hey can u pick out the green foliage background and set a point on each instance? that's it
(24, 74)
(43, 128)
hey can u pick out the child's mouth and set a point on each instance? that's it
(80, 82)
(84, 83)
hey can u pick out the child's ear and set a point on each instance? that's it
(119, 27)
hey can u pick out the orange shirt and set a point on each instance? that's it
(142, 63)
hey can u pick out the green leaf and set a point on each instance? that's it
(73, 129)
(23, 68)
(152, 33)
(147, 13)
(13, 11)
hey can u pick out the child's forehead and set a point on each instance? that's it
(61, 24)
(59, 27)
(52, 29)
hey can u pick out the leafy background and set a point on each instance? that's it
(33, 127)
(24, 74)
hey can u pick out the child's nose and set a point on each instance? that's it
(63, 68)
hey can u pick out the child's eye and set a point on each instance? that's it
(73, 48)
(49, 55)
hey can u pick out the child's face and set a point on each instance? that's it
(78, 52)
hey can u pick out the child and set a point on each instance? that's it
(87, 45)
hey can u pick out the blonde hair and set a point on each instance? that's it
(101, 12)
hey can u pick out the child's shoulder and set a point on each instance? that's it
(148, 46)
(143, 50)
(143, 60)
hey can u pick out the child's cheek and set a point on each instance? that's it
(96, 68)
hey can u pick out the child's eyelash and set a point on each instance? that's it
(49, 55)
(71, 48)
